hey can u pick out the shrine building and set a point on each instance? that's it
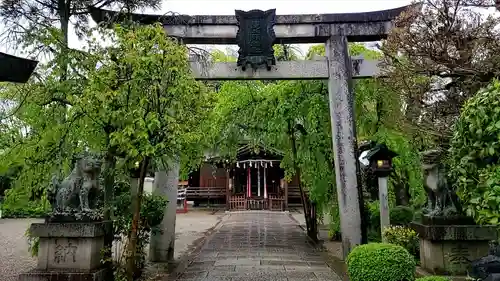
(253, 180)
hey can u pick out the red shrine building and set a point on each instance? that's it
(251, 181)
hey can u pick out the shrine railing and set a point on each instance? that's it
(276, 203)
(240, 202)
(196, 193)
(257, 204)
(237, 202)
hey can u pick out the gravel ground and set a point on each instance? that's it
(15, 258)
(14, 255)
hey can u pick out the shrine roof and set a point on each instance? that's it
(15, 69)
(247, 150)
(250, 148)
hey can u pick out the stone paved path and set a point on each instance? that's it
(258, 246)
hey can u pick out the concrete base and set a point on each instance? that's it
(42, 275)
(449, 249)
(69, 251)
(75, 246)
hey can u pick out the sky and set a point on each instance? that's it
(227, 7)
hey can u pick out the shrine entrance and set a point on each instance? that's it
(256, 181)
(255, 32)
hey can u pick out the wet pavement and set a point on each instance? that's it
(258, 245)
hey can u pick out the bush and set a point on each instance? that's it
(474, 155)
(17, 204)
(380, 261)
(404, 237)
(373, 215)
(401, 215)
(433, 278)
(152, 211)
(373, 209)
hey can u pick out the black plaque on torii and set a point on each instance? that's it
(255, 38)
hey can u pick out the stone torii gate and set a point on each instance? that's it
(335, 30)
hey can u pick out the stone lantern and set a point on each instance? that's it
(380, 161)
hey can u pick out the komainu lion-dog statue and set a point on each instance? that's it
(73, 194)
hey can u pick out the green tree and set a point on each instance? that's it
(439, 55)
(25, 20)
(135, 101)
(474, 161)
(144, 89)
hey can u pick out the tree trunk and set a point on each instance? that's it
(109, 181)
(64, 14)
(136, 209)
(308, 215)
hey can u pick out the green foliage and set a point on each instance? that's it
(26, 20)
(334, 216)
(433, 278)
(154, 109)
(401, 215)
(157, 105)
(373, 215)
(404, 237)
(262, 112)
(286, 52)
(219, 56)
(33, 243)
(380, 261)
(149, 107)
(8, 178)
(355, 49)
(407, 171)
(398, 215)
(133, 99)
(152, 212)
(47, 144)
(474, 163)
(17, 204)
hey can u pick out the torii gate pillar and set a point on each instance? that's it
(344, 141)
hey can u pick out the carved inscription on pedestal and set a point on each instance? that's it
(459, 255)
(65, 252)
(458, 259)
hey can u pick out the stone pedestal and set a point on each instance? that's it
(69, 251)
(449, 249)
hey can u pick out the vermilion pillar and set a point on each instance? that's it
(265, 181)
(249, 183)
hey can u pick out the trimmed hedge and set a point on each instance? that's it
(433, 278)
(380, 261)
